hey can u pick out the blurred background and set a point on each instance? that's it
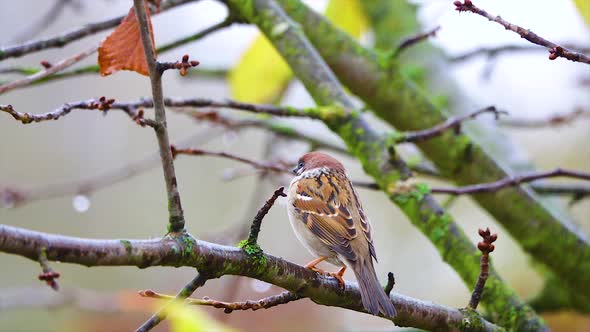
(220, 196)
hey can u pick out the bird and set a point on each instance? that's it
(328, 219)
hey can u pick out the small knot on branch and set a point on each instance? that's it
(486, 246)
(48, 275)
(555, 52)
(464, 6)
(46, 64)
(103, 104)
(182, 65)
(49, 278)
(148, 293)
(138, 117)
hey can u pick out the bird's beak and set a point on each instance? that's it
(296, 169)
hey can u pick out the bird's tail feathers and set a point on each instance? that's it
(372, 294)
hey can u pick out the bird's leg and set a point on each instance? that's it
(338, 275)
(312, 265)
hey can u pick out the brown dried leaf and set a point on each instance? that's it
(123, 49)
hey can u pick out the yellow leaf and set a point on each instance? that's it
(584, 9)
(262, 75)
(184, 318)
(348, 16)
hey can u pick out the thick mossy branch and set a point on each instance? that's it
(218, 260)
(380, 160)
(377, 79)
(554, 297)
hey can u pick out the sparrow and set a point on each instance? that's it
(328, 219)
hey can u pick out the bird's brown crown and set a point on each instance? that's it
(314, 160)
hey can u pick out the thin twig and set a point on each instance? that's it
(49, 17)
(130, 107)
(257, 221)
(285, 111)
(101, 104)
(229, 307)
(486, 247)
(492, 52)
(578, 192)
(182, 65)
(197, 36)
(415, 39)
(253, 163)
(184, 293)
(511, 181)
(451, 123)
(176, 215)
(555, 50)
(94, 69)
(63, 64)
(264, 166)
(68, 37)
(48, 274)
(551, 121)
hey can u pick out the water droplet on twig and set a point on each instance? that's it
(81, 203)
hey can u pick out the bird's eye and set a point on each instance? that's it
(300, 164)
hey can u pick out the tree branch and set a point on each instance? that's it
(451, 123)
(131, 108)
(499, 50)
(252, 239)
(68, 37)
(176, 215)
(253, 163)
(63, 64)
(551, 121)
(229, 307)
(197, 36)
(183, 250)
(101, 104)
(415, 39)
(511, 182)
(555, 50)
